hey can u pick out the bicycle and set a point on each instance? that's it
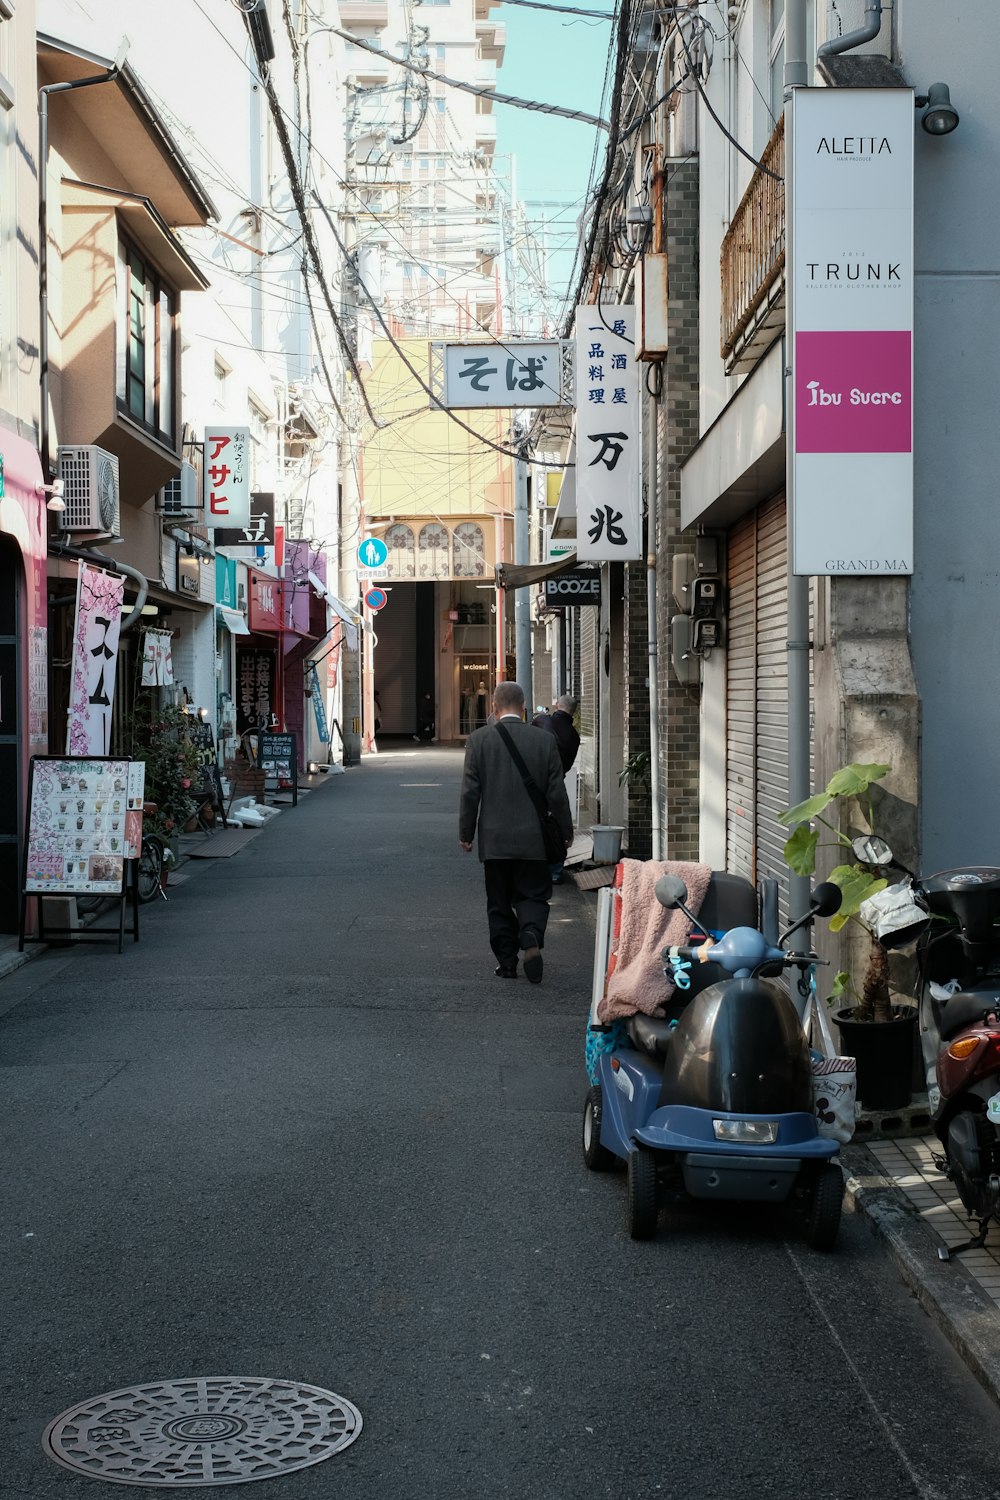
(149, 875)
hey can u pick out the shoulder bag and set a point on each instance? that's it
(555, 844)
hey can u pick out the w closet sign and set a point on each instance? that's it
(851, 331)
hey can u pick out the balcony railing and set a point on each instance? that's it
(753, 261)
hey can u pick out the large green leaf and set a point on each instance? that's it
(800, 850)
(852, 780)
(841, 985)
(857, 885)
(803, 811)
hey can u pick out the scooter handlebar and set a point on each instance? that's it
(741, 948)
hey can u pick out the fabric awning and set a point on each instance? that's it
(233, 619)
(523, 575)
(564, 520)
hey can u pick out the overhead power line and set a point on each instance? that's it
(508, 452)
(472, 88)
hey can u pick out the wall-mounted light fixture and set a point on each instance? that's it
(55, 503)
(940, 117)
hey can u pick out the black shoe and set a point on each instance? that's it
(506, 971)
(533, 965)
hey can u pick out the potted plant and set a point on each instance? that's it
(156, 734)
(877, 1033)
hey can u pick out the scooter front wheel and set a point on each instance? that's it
(823, 1206)
(596, 1157)
(643, 1201)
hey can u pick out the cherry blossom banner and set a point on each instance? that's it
(95, 658)
(608, 502)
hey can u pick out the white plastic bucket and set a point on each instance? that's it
(607, 843)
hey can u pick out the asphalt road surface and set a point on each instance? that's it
(301, 1131)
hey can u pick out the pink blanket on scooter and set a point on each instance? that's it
(636, 981)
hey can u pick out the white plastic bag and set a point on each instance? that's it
(834, 1082)
(893, 916)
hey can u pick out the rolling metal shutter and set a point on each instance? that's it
(757, 695)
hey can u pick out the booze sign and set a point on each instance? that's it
(579, 586)
(227, 477)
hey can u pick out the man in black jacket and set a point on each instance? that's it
(511, 843)
(560, 724)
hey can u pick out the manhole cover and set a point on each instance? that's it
(221, 1429)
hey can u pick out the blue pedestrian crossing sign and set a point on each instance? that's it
(372, 552)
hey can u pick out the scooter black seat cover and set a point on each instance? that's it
(965, 1008)
(739, 1047)
(649, 1034)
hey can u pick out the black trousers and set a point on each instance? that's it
(517, 904)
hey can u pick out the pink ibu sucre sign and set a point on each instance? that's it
(852, 392)
(850, 333)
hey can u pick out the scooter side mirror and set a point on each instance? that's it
(869, 849)
(826, 899)
(671, 891)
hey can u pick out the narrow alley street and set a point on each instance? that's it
(301, 1131)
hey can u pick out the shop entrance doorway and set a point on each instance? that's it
(11, 686)
(476, 681)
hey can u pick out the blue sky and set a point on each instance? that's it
(557, 59)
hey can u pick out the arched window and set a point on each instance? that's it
(470, 551)
(402, 561)
(433, 545)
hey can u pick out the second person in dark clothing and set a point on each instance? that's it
(559, 723)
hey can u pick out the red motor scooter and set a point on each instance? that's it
(958, 950)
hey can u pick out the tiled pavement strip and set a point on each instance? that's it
(910, 1165)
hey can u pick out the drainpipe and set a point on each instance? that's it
(656, 836)
(43, 243)
(799, 644)
(838, 44)
(82, 554)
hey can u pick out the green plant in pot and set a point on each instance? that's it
(876, 1032)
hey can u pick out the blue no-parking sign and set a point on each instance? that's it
(372, 552)
(376, 598)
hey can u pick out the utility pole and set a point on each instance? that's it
(522, 554)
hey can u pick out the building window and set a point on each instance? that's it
(147, 382)
(433, 546)
(257, 420)
(221, 376)
(401, 562)
(470, 551)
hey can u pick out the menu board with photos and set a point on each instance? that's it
(84, 821)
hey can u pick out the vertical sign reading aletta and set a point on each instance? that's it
(851, 331)
(608, 503)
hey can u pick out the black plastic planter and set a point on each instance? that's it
(884, 1054)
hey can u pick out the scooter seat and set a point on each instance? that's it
(964, 1008)
(650, 1034)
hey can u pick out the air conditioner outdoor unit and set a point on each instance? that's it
(179, 498)
(90, 489)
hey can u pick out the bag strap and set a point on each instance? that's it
(531, 786)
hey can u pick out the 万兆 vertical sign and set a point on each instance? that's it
(851, 331)
(608, 501)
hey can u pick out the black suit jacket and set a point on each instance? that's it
(495, 797)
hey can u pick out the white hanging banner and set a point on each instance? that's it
(227, 477)
(157, 661)
(95, 659)
(851, 331)
(608, 498)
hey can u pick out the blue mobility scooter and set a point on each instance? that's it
(713, 1100)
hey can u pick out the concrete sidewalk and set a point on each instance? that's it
(894, 1187)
